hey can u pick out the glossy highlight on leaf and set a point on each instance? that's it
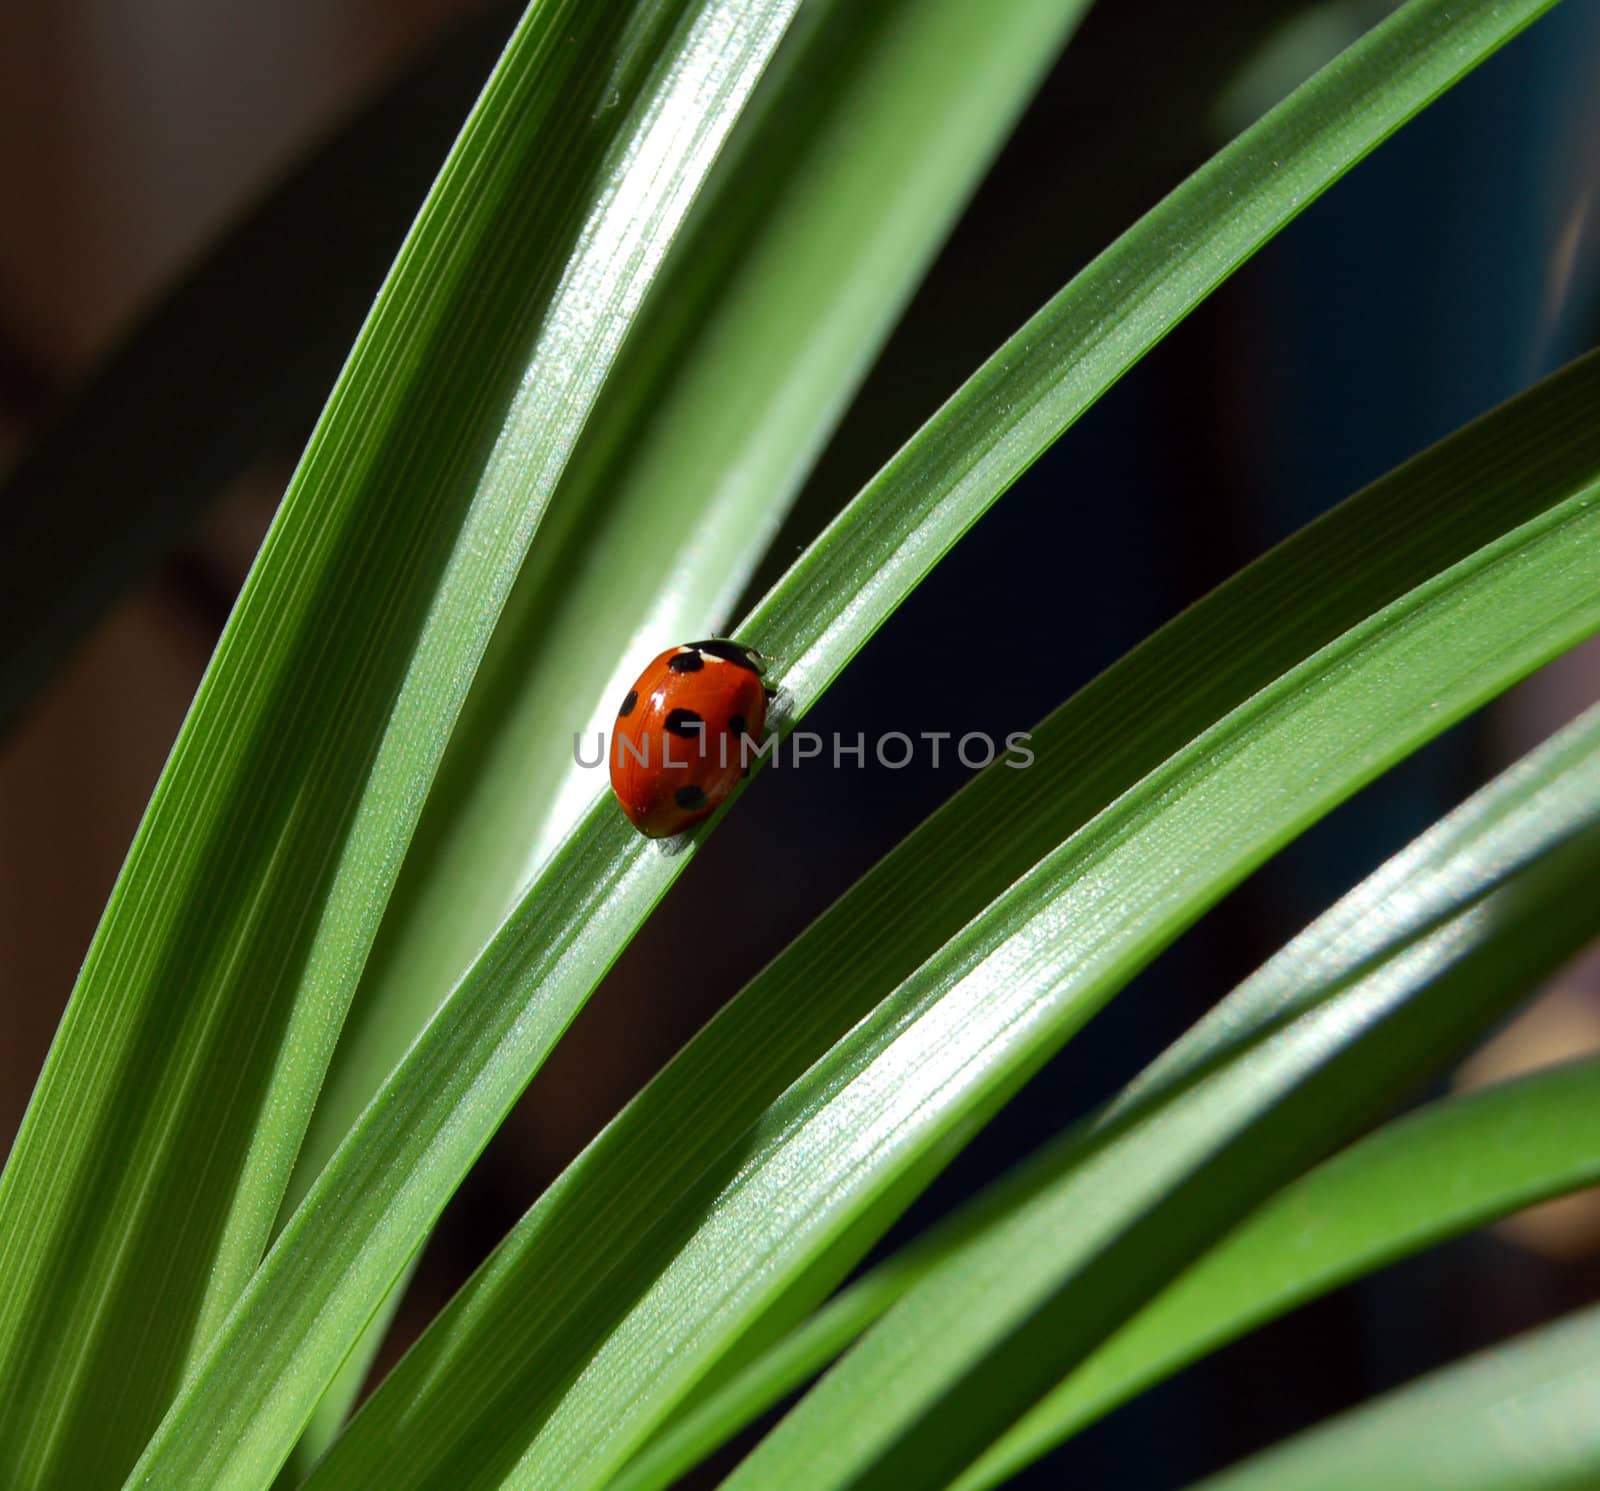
(849, 162)
(538, 362)
(983, 1336)
(160, 1137)
(1450, 1167)
(1023, 977)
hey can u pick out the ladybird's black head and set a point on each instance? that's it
(730, 651)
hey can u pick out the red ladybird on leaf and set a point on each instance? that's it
(679, 746)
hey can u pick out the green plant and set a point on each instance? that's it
(561, 429)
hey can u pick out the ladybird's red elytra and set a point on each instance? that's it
(677, 751)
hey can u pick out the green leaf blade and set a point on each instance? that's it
(1441, 1171)
(160, 1138)
(1042, 380)
(494, 1009)
(1448, 1168)
(645, 1185)
(1445, 1170)
(847, 167)
(984, 1333)
(694, 483)
(1517, 1418)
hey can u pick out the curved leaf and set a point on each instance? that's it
(848, 165)
(160, 1137)
(339, 1254)
(1444, 1170)
(612, 1273)
(1518, 1418)
(990, 1329)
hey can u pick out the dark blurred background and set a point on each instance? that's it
(1448, 272)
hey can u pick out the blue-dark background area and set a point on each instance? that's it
(1417, 294)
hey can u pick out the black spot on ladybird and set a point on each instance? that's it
(737, 725)
(690, 797)
(628, 703)
(686, 662)
(684, 722)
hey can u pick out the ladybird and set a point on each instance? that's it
(677, 751)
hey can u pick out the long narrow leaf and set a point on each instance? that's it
(1534, 1143)
(1442, 1171)
(1450, 1167)
(988, 1331)
(149, 1167)
(335, 1260)
(608, 1270)
(1521, 1417)
(1447, 1169)
(846, 168)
